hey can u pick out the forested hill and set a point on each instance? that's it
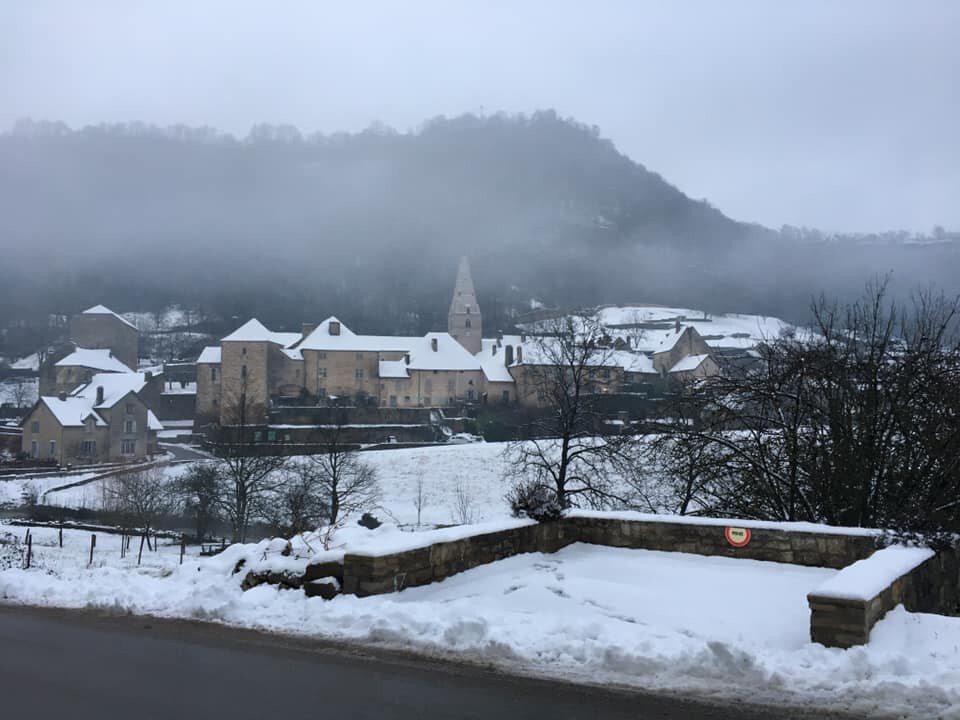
(369, 225)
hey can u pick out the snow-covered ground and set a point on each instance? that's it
(475, 471)
(707, 625)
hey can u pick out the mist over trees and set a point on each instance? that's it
(369, 225)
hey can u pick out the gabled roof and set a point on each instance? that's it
(690, 362)
(321, 339)
(210, 355)
(72, 411)
(93, 359)
(116, 386)
(103, 310)
(633, 362)
(152, 422)
(255, 331)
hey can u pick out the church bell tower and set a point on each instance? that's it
(464, 322)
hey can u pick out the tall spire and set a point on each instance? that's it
(464, 321)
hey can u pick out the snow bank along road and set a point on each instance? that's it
(56, 664)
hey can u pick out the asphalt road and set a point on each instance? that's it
(79, 665)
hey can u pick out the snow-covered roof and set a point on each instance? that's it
(255, 331)
(211, 354)
(493, 358)
(93, 359)
(103, 310)
(393, 369)
(690, 362)
(72, 411)
(152, 422)
(116, 386)
(322, 339)
(439, 351)
(633, 362)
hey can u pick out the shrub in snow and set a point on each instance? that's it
(368, 521)
(534, 500)
(11, 553)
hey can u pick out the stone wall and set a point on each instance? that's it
(816, 549)
(931, 587)
(369, 574)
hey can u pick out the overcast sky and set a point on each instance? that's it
(838, 115)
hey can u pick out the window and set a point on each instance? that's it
(88, 448)
(506, 396)
(470, 395)
(34, 448)
(129, 408)
(398, 385)
(322, 356)
(243, 372)
(468, 312)
(467, 324)
(130, 426)
(406, 399)
(605, 373)
(393, 401)
(427, 400)
(358, 373)
(35, 427)
(272, 435)
(53, 448)
(286, 437)
(321, 391)
(213, 374)
(69, 372)
(258, 436)
(428, 385)
(243, 351)
(359, 356)
(128, 447)
(451, 385)
(297, 374)
(321, 372)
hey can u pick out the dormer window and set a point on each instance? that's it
(129, 408)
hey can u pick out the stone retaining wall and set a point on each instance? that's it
(931, 587)
(816, 549)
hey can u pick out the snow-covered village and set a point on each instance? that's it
(481, 417)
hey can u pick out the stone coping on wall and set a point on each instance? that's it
(844, 609)
(806, 527)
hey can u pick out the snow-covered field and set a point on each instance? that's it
(475, 471)
(712, 626)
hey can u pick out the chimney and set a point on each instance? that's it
(494, 348)
(99, 394)
(523, 337)
(307, 328)
(406, 359)
(677, 325)
(433, 344)
(334, 327)
(520, 355)
(61, 396)
(508, 355)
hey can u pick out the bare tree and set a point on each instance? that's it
(300, 503)
(22, 393)
(140, 496)
(854, 423)
(420, 498)
(346, 483)
(248, 470)
(463, 511)
(199, 493)
(564, 370)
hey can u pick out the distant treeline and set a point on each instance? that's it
(369, 226)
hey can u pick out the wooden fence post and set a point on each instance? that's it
(183, 547)
(29, 549)
(140, 554)
(93, 544)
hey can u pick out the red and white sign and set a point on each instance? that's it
(738, 537)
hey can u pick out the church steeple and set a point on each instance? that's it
(464, 322)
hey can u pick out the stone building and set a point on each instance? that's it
(103, 420)
(81, 365)
(99, 328)
(464, 322)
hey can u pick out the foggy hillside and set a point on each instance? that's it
(369, 226)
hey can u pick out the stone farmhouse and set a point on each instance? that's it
(254, 368)
(94, 406)
(103, 419)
